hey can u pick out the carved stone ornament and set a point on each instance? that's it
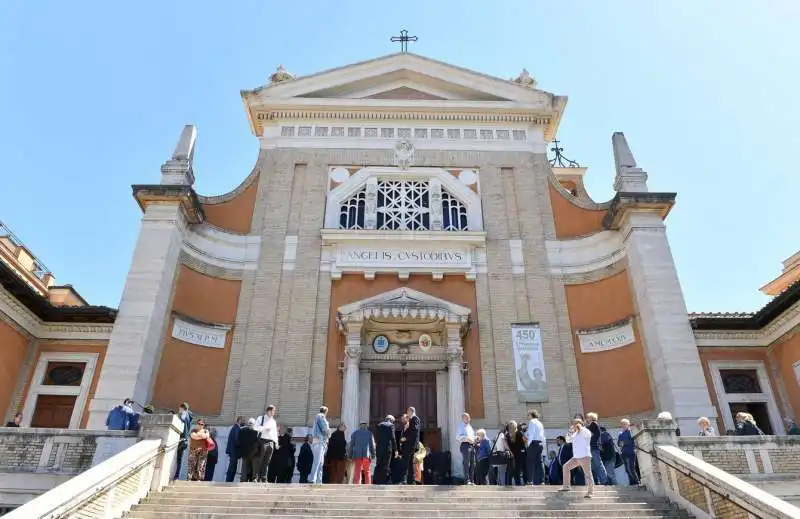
(353, 351)
(525, 79)
(454, 354)
(280, 75)
(404, 154)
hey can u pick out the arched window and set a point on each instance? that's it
(351, 214)
(454, 214)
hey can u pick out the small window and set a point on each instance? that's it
(453, 133)
(737, 381)
(321, 131)
(337, 131)
(487, 135)
(64, 373)
(387, 133)
(370, 132)
(420, 133)
(354, 132)
(437, 133)
(404, 133)
(305, 131)
(287, 131)
(519, 135)
(470, 134)
(502, 135)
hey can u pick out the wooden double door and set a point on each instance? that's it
(392, 392)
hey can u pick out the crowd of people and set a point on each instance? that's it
(263, 451)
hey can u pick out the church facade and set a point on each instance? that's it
(402, 240)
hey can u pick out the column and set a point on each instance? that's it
(350, 406)
(442, 415)
(131, 360)
(364, 388)
(455, 378)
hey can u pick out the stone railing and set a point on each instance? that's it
(62, 451)
(110, 488)
(696, 485)
(747, 454)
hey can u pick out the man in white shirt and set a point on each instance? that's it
(465, 436)
(267, 429)
(534, 446)
(580, 437)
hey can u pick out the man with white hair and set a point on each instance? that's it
(386, 449)
(249, 449)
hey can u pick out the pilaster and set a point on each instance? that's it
(350, 392)
(455, 377)
(131, 359)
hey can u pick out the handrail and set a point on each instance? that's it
(102, 480)
(689, 475)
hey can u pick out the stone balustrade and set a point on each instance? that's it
(702, 487)
(109, 488)
(747, 454)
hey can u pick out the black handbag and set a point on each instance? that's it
(498, 458)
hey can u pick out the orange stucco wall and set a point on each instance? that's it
(572, 221)
(42, 346)
(236, 214)
(191, 373)
(614, 382)
(354, 287)
(13, 347)
(785, 355)
(716, 354)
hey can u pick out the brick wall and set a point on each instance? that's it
(59, 451)
(747, 454)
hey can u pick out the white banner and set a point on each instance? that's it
(202, 335)
(529, 363)
(607, 339)
(409, 257)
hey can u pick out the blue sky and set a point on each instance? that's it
(94, 95)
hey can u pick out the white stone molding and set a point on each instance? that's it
(356, 182)
(442, 416)
(517, 256)
(403, 302)
(770, 334)
(438, 253)
(290, 252)
(350, 389)
(450, 135)
(364, 388)
(39, 329)
(585, 254)
(724, 399)
(214, 246)
(37, 386)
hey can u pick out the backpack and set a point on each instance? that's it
(607, 449)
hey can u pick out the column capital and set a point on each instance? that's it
(455, 355)
(626, 204)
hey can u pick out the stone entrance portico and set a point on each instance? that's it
(403, 315)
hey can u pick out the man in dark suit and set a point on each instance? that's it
(410, 440)
(386, 450)
(577, 476)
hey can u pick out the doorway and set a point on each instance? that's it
(392, 392)
(758, 410)
(53, 411)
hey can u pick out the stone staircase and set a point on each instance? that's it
(185, 500)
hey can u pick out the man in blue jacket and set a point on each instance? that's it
(119, 418)
(230, 449)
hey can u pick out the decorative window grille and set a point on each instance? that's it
(403, 205)
(437, 133)
(305, 131)
(351, 213)
(387, 133)
(453, 133)
(370, 132)
(321, 131)
(354, 132)
(454, 214)
(740, 381)
(287, 131)
(487, 135)
(337, 131)
(470, 134)
(502, 134)
(519, 135)
(404, 133)
(420, 133)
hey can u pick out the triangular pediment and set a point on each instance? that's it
(404, 297)
(402, 77)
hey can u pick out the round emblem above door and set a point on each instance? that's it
(380, 344)
(425, 342)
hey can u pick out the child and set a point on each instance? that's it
(419, 458)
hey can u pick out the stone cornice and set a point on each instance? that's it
(35, 327)
(623, 203)
(784, 324)
(147, 194)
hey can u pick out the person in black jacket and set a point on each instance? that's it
(386, 450)
(285, 455)
(16, 421)
(336, 455)
(212, 457)
(598, 469)
(410, 440)
(746, 425)
(305, 460)
(230, 450)
(248, 448)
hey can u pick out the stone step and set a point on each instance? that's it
(413, 514)
(378, 501)
(403, 511)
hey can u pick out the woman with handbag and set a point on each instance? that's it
(499, 457)
(199, 443)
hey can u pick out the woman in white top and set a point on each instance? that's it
(501, 445)
(705, 427)
(580, 438)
